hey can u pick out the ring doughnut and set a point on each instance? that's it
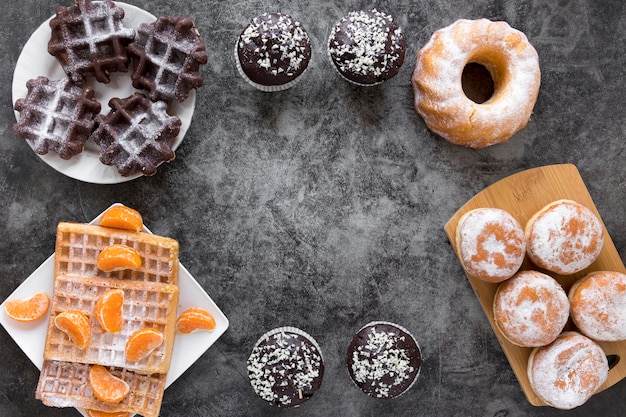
(513, 65)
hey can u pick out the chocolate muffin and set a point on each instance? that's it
(273, 52)
(383, 359)
(367, 47)
(286, 367)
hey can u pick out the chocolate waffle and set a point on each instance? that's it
(146, 304)
(137, 135)
(56, 116)
(78, 246)
(90, 40)
(64, 384)
(167, 55)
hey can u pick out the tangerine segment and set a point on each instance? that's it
(76, 325)
(28, 309)
(118, 257)
(194, 319)
(98, 413)
(106, 387)
(109, 310)
(141, 343)
(122, 217)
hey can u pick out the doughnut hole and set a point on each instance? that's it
(477, 82)
(483, 74)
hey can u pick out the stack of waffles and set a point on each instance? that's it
(150, 301)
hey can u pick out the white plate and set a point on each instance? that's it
(31, 337)
(35, 61)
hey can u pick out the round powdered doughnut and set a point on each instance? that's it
(564, 237)
(513, 65)
(567, 372)
(531, 309)
(491, 244)
(598, 305)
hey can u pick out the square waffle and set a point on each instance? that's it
(78, 246)
(56, 116)
(145, 305)
(89, 40)
(167, 55)
(150, 300)
(136, 135)
(64, 384)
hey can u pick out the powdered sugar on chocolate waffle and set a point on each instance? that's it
(56, 116)
(167, 55)
(137, 135)
(89, 40)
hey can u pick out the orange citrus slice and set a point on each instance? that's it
(141, 343)
(118, 257)
(194, 319)
(106, 387)
(109, 310)
(28, 309)
(76, 325)
(122, 217)
(98, 413)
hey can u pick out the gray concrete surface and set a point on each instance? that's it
(323, 206)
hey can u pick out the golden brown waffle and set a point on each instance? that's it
(78, 246)
(137, 135)
(150, 301)
(64, 384)
(89, 40)
(56, 116)
(146, 304)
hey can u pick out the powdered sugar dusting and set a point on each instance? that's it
(491, 244)
(599, 306)
(565, 237)
(531, 309)
(567, 372)
(439, 96)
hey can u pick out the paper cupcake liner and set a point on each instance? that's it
(419, 370)
(290, 329)
(261, 87)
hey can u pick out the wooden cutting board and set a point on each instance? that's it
(522, 195)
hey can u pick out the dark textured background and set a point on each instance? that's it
(323, 206)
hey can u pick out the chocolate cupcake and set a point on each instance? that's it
(286, 367)
(384, 359)
(367, 47)
(273, 52)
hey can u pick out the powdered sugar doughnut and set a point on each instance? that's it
(566, 373)
(491, 244)
(564, 237)
(531, 309)
(598, 305)
(513, 64)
